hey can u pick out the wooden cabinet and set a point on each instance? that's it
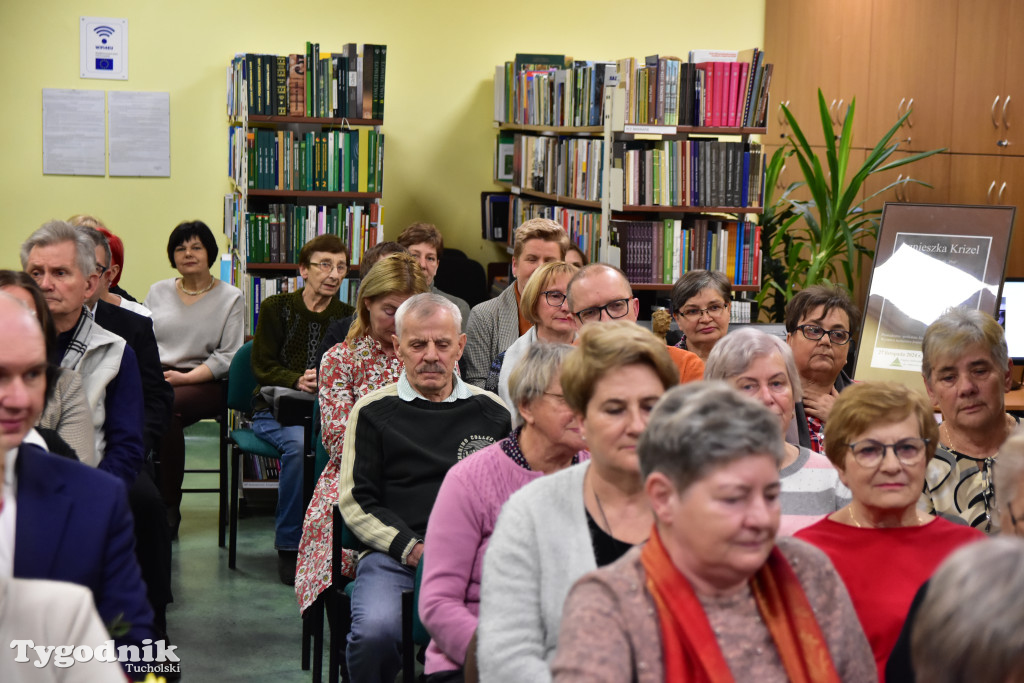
(934, 170)
(991, 179)
(910, 69)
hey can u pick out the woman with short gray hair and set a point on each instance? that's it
(471, 496)
(713, 595)
(700, 306)
(761, 366)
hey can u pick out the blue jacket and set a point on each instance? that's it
(73, 524)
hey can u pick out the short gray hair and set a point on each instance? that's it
(57, 232)
(970, 626)
(955, 330)
(98, 240)
(1009, 468)
(693, 282)
(423, 305)
(735, 352)
(532, 375)
(698, 426)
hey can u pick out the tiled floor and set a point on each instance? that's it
(230, 625)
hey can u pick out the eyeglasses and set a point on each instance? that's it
(816, 332)
(614, 309)
(554, 297)
(100, 269)
(558, 397)
(870, 453)
(327, 267)
(714, 310)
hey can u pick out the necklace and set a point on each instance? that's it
(204, 290)
(853, 520)
(949, 442)
(600, 508)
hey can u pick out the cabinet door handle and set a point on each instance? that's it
(899, 196)
(839, 114)
(910, 108)
(999, 199)
(989, 193)
(832, 111)
(899, 108)
(1006, 104)
(992, 112)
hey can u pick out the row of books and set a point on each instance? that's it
(350, 160)
(261, 288)
(716, 88)
(277, 234)
(567, 167)
(582, 226)
(659, 252)
(260, 468)
(693, 172)
(549, 90)
(344, 84)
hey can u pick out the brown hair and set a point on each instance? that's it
(331, 244)
(826, 296)
(422, 233)
(395, 274)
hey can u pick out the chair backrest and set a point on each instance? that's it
(241, 380)
(318, 442)
(420, 636)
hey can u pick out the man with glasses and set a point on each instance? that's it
(289, 330)
(599, 293)
(819, 326)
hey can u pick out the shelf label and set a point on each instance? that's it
(516, 189)
(649, 130)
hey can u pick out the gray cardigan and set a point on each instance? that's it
(540, 546)
(493, 326)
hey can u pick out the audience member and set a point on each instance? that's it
(882, 526)
(471, 497)
(366, 361)
(199, 323)
(401, 441)
(761, 366)
(575, 256)
(967, 374)
(289, 329)
(599, 293)
(700, 305)
(112, 292)
(495, 324)
(559, 527)
(820, 322)
(713, 595)
(424, 241)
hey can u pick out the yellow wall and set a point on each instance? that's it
(441, 58)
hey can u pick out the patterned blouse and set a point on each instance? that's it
(347, 373)
(958, 485)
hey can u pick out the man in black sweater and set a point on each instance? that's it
(401, 441)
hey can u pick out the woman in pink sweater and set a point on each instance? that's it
(471, 497)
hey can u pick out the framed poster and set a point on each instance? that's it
(929, 258)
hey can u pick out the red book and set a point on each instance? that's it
(733, 92)
(720, 106)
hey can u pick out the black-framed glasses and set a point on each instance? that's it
(614, 309)
(100, 269)
(870, 453)
(554, 297)
(714, 310)
(328, 267)
(816, 332)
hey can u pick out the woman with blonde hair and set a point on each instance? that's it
(364, 362)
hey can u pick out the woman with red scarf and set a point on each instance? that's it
(712, 596)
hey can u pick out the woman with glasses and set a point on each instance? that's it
(761, 366)
(198, 322)
(819, 327)
(700, 305)
(880, 437)
(544, 304)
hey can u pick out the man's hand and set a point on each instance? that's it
(413, 559)
(307, 382)
(820, 406)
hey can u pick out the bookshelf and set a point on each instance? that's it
(655, 165)
(306, 154)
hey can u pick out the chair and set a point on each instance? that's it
(413, 631)
(461, 276)
(222, 485)
(313, 462)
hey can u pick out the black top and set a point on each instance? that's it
(607, 548)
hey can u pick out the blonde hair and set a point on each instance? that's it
(542, 229)
(394, 274)
(538, 283)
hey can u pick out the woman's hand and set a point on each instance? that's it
(307, 382)
(175, 378)
(821, 405)
(196, 375)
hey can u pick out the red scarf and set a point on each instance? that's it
(689, 646)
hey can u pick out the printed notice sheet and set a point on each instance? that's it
(140, 133)
(74, 132)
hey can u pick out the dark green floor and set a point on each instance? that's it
(229, 625)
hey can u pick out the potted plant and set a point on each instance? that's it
(822, 239)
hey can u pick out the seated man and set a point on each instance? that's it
(495, 324)
(599, 292)
(424, 241)
(400, 443)
(62, 520)
(289, 329)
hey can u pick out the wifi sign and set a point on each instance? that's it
(104, 32)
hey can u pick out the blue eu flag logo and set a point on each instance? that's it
(104, 64)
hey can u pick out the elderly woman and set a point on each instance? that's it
(819, 325)
(560, 527)
(471, 497)
(700, 305)
(712, 596)
(967, 374)
(544, 304)
(198, 322)
(880, 437)
(761, 366)
(364, 362)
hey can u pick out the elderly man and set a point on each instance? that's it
(599, 292)
(967, 374)
(288, 332)
(400, 443)
(495, 324)
(60, 519)
(424, 241)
